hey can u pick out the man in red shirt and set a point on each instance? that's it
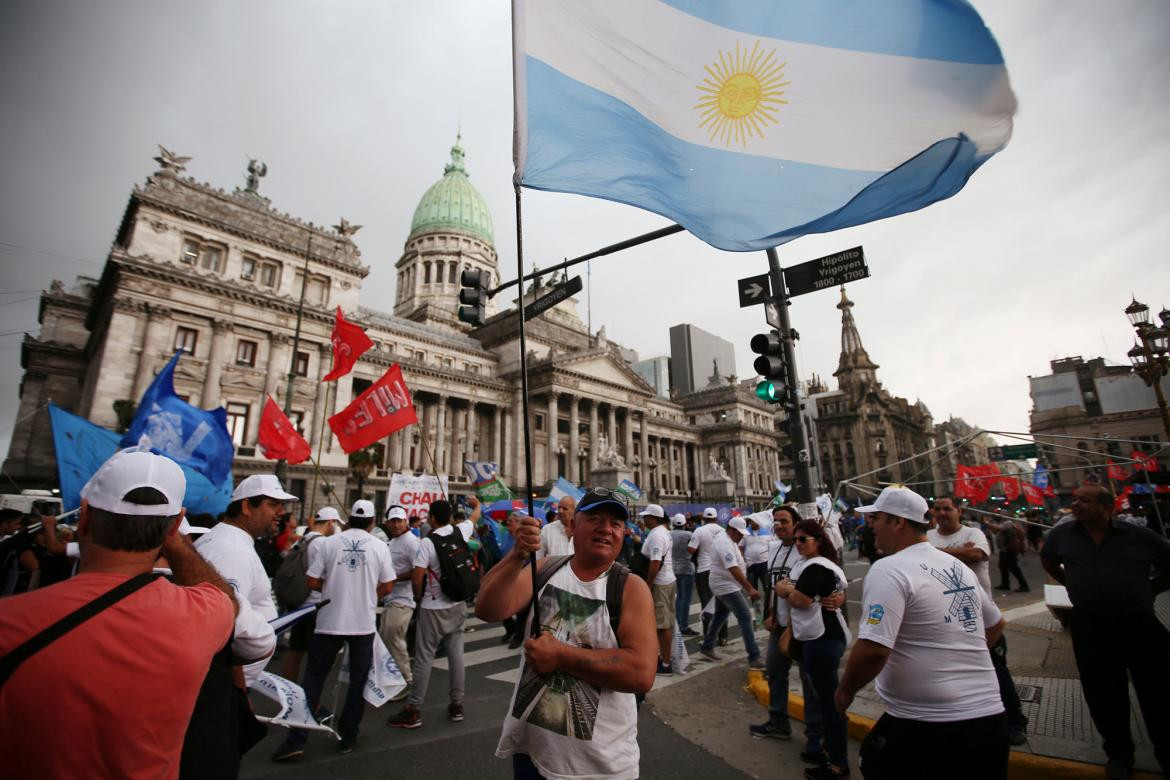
(125, 679)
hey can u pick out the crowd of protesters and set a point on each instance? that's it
(204, 590)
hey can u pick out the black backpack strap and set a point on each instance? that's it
(615, 587)
(10, 662)
(555, 563)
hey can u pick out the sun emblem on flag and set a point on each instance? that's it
(741, 94)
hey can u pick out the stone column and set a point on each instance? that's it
(278, 364)
(611, 426)
(458, 439)
(498, 436)
(574, 440)
(740, 472)
(472, 451)
(220, 330)
(628, 439)
(686, 468)
(644, 469)
(517, 429)
(154, 338)
(550, 424)
(592, 436)
(670, 488)
(439, 443)
(323, 389)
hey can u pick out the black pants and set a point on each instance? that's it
(703, 585)
(1107, 647)
(1007, 686)
(901, 749)
(1009, 564)
(323, 650)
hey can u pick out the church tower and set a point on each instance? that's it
(451, 231)
(854, 369)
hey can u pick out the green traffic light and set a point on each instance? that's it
(767, 391)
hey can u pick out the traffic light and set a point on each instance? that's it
(770, 365)
(473, 296)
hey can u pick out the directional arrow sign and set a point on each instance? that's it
(559, 293)
(753, 290)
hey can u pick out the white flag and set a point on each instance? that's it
(294, 705)
(385, 680)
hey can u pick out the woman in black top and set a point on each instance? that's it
(820, 651)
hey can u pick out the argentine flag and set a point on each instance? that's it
(751, 123)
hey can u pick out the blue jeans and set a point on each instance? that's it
(725, 605)
(682, 602)
(323, 649)
(778, 666)
(820, 659)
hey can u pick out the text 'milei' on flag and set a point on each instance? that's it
(752, 123)
(278, 437)
(349, 343)
(382, 409)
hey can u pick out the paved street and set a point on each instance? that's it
(695, 724)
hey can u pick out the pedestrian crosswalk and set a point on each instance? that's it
(482, 645)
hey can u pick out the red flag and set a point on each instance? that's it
(1115, 471)
(1011, 488)
(349, 343)
(1144, 462)
(1121, 503)
(974, 482)
(279, 437)
(383, 408)
(1033, 495)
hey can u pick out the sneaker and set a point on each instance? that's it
(516, 642)
(505, 639)
(288, 751)
(1023, 589)
(346, 745)
(455, 712)
(408, 718)
(825, 772)
(814, 757)
(723, 641)
(688, 631)
(756, 663)
(710, 655)
(770, 730)
(664, 669)
(1016, 735)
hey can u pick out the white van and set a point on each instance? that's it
(41, 502)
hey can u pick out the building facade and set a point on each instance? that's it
(221, 275)
(1086, 413)
(696, 355)
(864, 433)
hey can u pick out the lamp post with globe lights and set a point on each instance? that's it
(1149, 355)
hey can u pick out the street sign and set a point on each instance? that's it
(772, 314)
(754, 290)
(559, 293)
(1013, 452)
(825, 272)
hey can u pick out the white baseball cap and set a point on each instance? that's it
(266, 485)
(396, 513)
(678, 520)
(363, 507)
(739, 524)
(652, 510)
(130, 469)
(709, 513)
(328, 513)
(900, 502)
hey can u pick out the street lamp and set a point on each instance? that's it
(1149, 353)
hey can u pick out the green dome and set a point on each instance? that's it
(453, 204)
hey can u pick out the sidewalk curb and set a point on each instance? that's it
(1021, 766)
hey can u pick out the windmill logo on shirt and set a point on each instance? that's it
(352, 555)
(963, 607)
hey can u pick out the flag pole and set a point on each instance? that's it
(422, 432)
(535, 607)
(321, 442)
(282, 464)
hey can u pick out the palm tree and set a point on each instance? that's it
(362, 464)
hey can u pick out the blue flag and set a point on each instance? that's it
(83, 447)
(190, 436)
(1040, 477)
(751, 123)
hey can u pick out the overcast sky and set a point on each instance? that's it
(354, 106)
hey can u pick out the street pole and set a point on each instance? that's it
(798, 437)
(282, 464)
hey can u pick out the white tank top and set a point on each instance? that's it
(570, 728)
(807, 623)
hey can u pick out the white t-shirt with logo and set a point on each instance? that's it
(427, 558)
(725, 556)
(928, 608)
(352, 563)
(781, 559)
(701, 542)
(658, 546)
(960, 538)
(403, 549)
(312, 551)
